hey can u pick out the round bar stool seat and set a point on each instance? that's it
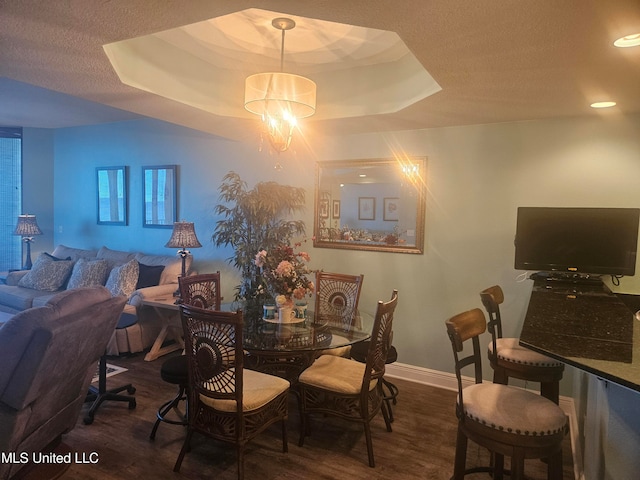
(174, 371)
(359, 354)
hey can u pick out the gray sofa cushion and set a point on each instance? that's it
(62, 251)
(87, 273)
(47, 274)
(114, 257)
(20, 298)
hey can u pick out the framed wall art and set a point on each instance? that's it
(111, 195)
(366, 208)
(335, 212)
(159, 196)
(390, 212)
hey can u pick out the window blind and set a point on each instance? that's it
(10, 197)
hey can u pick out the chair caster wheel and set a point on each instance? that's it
(87, 420)
(131, 390)
(132, 404)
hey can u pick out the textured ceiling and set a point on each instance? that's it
(496, 60)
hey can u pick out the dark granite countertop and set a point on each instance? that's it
(587, 327)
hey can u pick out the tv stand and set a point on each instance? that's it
(567, 283)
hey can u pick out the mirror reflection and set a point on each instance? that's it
(371, 205)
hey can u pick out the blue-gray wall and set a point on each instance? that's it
(477, 177)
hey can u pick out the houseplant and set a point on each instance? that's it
(253, 220)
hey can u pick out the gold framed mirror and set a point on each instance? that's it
(372, 204)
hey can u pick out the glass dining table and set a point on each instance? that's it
(286, 349)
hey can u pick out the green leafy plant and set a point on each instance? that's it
(253, 220)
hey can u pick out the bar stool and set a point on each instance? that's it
(505, 420)
(174, 371)
(510, 360)
(202, 291)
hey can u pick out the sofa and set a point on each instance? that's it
(134, 275)
(49, 355)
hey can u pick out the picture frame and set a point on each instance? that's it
(366, 208)
(323, 208)
(391, 210)
(111, 195)
(159, 196)
(335, 211)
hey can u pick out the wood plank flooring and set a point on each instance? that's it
(422, 444)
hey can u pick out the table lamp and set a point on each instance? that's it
(27, 227)
(183, 237)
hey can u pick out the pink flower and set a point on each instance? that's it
(299, 292)
(284, 269)
(305, 256)
(260, 258)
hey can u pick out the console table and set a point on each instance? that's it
(586, 326)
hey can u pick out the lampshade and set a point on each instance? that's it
(274, 93)
(27, 226)
(279, 98)
(183, 236)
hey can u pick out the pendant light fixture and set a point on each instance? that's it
(279, 98)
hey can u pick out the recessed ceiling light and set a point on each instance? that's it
(362, 175)
(603, 104)
(632, 40)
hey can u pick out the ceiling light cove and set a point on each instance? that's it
(358, 71)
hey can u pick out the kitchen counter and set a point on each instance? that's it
(586, 326)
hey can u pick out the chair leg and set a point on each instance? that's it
(498, 466)
(499, 376)
(185, 448)
(367, 434)
(389, 398)
(554, 467)
(461, 455)
(517, 465)
(240, 461)
(304, 420)
(551, 390)
(285, 439)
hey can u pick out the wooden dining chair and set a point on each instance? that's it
(510, 360)
(506, 420)
(347, 389)
(227, 402)
(337, 298)
(200, 291)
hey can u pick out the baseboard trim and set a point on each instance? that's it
(448, 381)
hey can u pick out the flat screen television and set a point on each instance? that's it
(577, 240)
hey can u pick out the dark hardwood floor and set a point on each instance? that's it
(422, 443)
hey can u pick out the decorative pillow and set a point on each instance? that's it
(172, 266)
(46, 274)
(114, 257)
(55, 259)
(87, 273)
(149, 275)
(123, 279)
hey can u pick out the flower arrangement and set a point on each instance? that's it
(284, 272)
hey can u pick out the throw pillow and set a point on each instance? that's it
(46, 274)
(87, 273)
(149, 275)
(123, 279)
(55, 259)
